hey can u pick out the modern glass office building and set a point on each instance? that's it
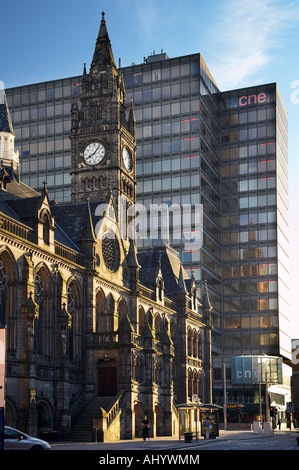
(177, 110)
(196, 145)
(41, 114)
(254, 221)
(254, 189)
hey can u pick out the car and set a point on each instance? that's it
(17, 440)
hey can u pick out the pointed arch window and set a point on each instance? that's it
(189, 342)
(75, 332)
(46, 229)
(141, 320)
(194, 300)
(158, 325)
(44, 326)
(199, 345)
(121, 310)
(8, 299)
(199, 385)
(70, 309)
(101, 313)
(39, 299)
(190, 384)
(160, 289)
(3, 286)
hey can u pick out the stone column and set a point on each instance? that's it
(63, 371)
(28, 413)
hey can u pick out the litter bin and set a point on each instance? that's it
(188, 436)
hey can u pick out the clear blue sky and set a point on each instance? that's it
(244, 43)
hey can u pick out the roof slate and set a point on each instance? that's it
(174, 275)
(78, 221)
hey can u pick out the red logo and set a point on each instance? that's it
(252, 99)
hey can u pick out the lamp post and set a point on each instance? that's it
(225, 398)
(267, 404)
(260, 392)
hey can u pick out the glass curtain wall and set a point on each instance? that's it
(42, 121)
(178, 137)
(181, 131)
(254, 221)
(285, 333)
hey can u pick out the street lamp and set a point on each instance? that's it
(260, 392)
(225, 398)
(267, 401)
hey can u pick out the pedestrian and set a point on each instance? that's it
(279, 423)
(207, 426)
(145, 428)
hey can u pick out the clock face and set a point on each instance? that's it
(94, 153)
(127, 159)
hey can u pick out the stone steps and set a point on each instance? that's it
(82, 428)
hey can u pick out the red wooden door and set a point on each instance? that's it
(107, 381)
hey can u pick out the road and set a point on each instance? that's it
(279, 442)
(230, 446)
(228, 440)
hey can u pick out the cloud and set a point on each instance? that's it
(246, 36)
(147, 14)
(156, 17)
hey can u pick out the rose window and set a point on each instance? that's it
(110, 250)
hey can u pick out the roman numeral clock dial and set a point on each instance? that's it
(127, 159)
(94, 153)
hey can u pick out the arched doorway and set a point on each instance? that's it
(107, 382)
(44, 416)
(159, 420)
(8, 297)
(138, 413)
(10, 414)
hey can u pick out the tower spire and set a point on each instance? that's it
(103, 55)
(103, 33)
(5, 120)
(9, 158)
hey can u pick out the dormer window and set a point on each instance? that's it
(159, 289)
(194, 301)
(46, 229)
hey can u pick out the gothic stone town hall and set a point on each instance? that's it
(97, 334)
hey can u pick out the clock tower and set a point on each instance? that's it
(103, 133)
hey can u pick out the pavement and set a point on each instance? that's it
(167, 442)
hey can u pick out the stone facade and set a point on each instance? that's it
(91, 324)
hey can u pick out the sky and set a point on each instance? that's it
(243, 42)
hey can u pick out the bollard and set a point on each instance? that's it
(297, 437)
(188, 436)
